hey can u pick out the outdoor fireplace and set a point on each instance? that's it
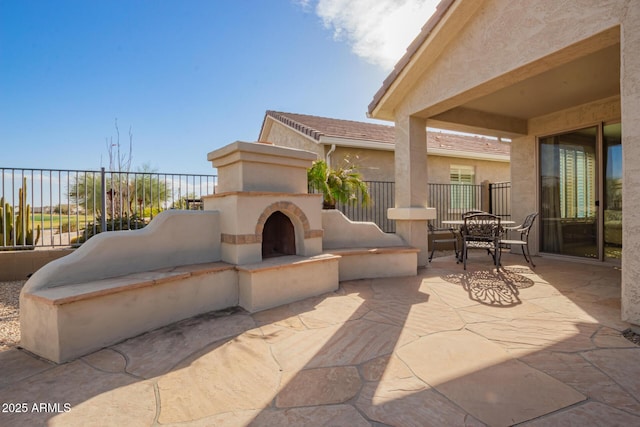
(270, 226)
(278, 236)
(266, 209)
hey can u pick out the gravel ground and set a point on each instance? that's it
(9, 314)
(631, 336)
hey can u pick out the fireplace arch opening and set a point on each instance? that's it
(278, 236)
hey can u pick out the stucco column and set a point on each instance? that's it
(410, 211)
(630, 105)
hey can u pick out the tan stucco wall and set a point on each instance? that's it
(379, 166)
(439, 167)
(374, 165)
(630, 90)
(172, 239)
(284, 136)
(340, 232)
(18, 265)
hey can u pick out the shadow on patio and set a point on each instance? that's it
(448, 347)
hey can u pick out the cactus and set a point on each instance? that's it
(6, 223)
(18, 231)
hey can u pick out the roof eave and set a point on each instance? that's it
(450, 15)
(356, 143)
(468, 155)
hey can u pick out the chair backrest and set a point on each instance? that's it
(481, 226)
(465, 214)
(527, 224)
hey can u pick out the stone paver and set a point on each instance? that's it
(16, 365)
(93, 395)
(484, 379)
(537, 346)
(239, 374)
(157, 352)
(526, 335)
(410, 402)
(573, 370)
(622, 365)
(337, 415)
(589, 414)
(330, 386)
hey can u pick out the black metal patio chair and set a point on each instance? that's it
(481, 231)
(523, 242)
(467, 213)
(442, 240)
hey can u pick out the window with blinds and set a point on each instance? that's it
(577, 182)
(463, 191)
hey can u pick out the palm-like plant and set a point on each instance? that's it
(343, 184)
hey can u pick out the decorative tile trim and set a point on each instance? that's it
(287, 208)
(309, 234)
(240, 239)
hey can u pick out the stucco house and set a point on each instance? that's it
(562, 81)
(452, 158)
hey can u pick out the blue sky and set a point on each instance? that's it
(187, 76)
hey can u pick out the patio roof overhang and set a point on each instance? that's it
(580, 73)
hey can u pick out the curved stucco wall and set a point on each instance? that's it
(172, 239)
(341, 232)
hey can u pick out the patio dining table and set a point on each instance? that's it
(460, 222)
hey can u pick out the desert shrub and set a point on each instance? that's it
(132, 222)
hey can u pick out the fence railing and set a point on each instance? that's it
(449, 200)
(65, 207)
(382, 196)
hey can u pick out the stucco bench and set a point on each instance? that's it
(281, 280)
(367, 263)
(72, 320)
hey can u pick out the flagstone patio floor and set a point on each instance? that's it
(539, 347)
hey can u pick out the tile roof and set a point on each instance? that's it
(315, 127)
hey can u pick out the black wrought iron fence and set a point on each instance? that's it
(55, 207)
(500, 199)
(449, 200)
(382, 196)
(452, 200)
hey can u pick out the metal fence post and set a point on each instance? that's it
(103, 200)
(491, 201)
(485, 204)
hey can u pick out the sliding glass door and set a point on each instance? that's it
(577, 170)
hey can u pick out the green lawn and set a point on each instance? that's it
(58, 221)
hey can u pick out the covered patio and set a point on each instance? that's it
(447, 347)
(560, 80)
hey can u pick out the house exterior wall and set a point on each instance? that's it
(524, 152)
(378, 165)
(630, 106)
(284, 136)
(503, 42)
(439, 168)
(374, 165)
